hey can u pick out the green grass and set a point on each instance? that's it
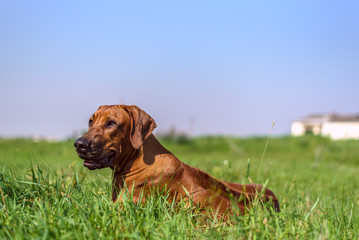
(45, 192)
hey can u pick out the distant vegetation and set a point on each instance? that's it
(45, 192)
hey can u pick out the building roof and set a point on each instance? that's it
(317, 119)
(344, 118)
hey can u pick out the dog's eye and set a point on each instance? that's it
(90, 122)
(111, 123)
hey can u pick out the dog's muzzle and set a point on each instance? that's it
(92, 159)
(102, 163)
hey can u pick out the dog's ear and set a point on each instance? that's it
(142, 126)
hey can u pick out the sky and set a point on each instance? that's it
(203, 67)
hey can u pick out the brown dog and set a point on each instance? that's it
(120, 137)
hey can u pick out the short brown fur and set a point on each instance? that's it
(138, 160)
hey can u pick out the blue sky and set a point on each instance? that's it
(206, 67)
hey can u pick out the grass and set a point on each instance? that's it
(45, 192)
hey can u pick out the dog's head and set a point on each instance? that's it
(114, 131)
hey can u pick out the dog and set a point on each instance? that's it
(120, 137)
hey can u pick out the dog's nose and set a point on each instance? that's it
(82, 144)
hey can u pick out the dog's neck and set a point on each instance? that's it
(139, 162)
(142, 158)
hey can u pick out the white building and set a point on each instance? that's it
(332, 125)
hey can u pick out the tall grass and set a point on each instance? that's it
(315, 179)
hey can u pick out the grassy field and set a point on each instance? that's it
(45, 192)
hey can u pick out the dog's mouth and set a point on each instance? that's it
(93, 164)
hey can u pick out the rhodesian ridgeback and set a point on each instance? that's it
(120, 137)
